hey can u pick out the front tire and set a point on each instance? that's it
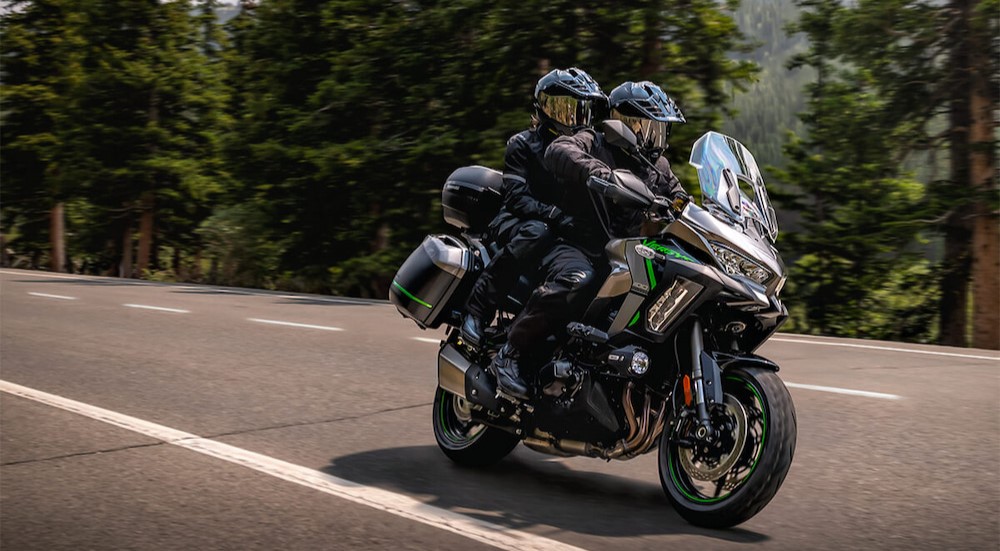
(464, 440)
(728, 482)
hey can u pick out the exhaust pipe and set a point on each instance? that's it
(452, 366)
(465, 379)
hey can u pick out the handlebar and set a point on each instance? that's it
(659, 206)
(616, 193)
(597, 184)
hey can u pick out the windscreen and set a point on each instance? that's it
(732, 187)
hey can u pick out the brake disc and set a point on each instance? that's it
(701, 470)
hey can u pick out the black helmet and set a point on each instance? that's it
(566, 99)
(647, 111)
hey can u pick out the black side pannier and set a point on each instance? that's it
(425, 283)
(471, 197)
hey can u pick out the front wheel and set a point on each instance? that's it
(464, 440)
(729, 480)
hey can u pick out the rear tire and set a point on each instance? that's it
(464, 440)
(718, 486)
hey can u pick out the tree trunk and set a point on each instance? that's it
(4, 257)
(982, 175)
(954, 304)
(125, 268)
(985, 281)
(175, 264)
(957, 263)
(57, 237)
(651, 43)
(145, 233)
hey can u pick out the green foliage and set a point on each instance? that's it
(113, 104)
(350, 117)
(770, 107)
(41, 70)
(239, 248)
(882, 82)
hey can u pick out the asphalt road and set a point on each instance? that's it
(221, 426)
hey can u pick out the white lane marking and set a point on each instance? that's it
(292, 324)
(425, 339)
(848, 391)
(157, 308)
(239, 290)
(890, 349)
(46, 295)
(376, 498)
(212, 289)
(34, 273)
(319, 299)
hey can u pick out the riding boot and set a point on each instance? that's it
(505, 366)
(472, 329)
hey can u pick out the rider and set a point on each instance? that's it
(569, 267)
(529, 221)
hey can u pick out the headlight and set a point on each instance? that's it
(671, 303)
(737, 264)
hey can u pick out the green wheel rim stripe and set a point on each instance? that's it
(763, 440)
(410, 295)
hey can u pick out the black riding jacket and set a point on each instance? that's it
(530, 191)
(573, 159)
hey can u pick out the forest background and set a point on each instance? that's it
(302, 144)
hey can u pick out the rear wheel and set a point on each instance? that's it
(464, 440)
(729, 480)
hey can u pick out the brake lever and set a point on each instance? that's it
(663, 208)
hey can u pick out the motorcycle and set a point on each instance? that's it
(664, 358)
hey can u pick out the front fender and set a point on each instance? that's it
(728, 361)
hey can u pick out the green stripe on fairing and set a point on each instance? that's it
(409, 294)
(635, 318)
(649, 270)
(668, 251)
(763, 441)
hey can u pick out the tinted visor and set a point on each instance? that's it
(652, 134)
(566, 110)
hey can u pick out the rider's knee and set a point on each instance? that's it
(534, 238)
(535, 229)
(575, 278)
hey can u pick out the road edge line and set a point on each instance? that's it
(400, 505)
(886, 348)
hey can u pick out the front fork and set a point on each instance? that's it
(706, 382)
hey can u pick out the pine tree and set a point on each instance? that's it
(354, 115)
(858, 208)
(145, 111)
(924, 65)
(41, 69)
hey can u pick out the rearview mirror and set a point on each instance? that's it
(619, 135)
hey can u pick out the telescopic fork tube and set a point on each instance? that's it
(697, 346)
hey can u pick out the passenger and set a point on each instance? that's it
(529, 222)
